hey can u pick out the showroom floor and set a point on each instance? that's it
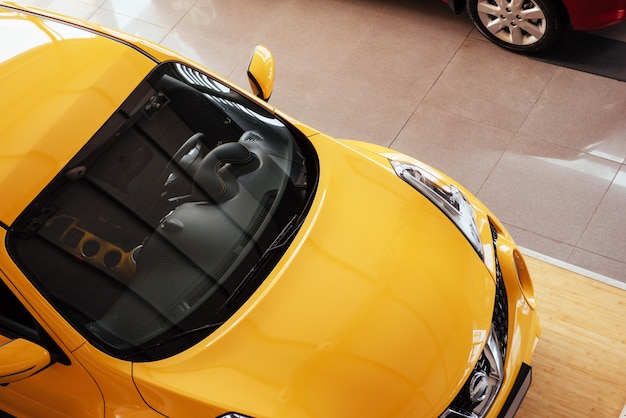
(543, 146)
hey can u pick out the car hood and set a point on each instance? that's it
(379, 307)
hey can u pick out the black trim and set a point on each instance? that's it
(79, 26)
(24, 325)
(518, 392)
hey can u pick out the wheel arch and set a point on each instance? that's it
(563, 10)
(457, 6)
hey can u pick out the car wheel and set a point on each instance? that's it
(519, 25)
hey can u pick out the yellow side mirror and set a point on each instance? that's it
(261, 72)
(20, 358)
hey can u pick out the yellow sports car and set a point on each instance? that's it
(175, 246)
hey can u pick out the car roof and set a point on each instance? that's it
(60, 82)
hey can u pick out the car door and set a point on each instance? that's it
(62, 389)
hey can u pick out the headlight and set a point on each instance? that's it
(448, 198)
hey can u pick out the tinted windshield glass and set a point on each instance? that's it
(170, 216)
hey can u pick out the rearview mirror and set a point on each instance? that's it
(20, 358)
(261, 72)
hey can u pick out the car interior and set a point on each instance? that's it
(171, 204)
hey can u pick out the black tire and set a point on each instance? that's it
(527, 26)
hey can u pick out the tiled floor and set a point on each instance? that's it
(542, 146)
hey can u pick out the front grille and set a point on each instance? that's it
(491, 361)
(500, 320)
(462, 404)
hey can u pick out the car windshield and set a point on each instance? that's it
(169, 217)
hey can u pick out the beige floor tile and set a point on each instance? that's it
(164, 13)
(432, 17)
(598, 263)
(486, 84)
(547, 189)
(608, 225)
(581, 111)
(364, 114)
(464, 149)
(74, 8)
(398, 60)
(134, 26)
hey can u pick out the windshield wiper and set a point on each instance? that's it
(281, 239)
(202, 328)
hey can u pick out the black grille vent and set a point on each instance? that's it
(500, 319)
(462, 404)
(200, 294)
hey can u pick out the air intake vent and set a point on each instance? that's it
(500, 321)
(251, 136)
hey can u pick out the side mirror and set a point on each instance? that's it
(261, 72)
(20, 358)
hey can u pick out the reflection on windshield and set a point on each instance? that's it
(169, 217)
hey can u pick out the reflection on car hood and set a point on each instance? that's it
(379, 308)
(52, 75)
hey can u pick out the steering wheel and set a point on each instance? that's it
(183, 157)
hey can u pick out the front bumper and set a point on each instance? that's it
(591, 15)
(502, 376)
(517, 394)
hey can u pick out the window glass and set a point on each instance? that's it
(17, 322)
(158, 230)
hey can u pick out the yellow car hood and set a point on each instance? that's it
(52, 75)
(380, 307)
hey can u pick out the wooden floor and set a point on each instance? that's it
(579, 368)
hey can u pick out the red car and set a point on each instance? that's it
(535, 25)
